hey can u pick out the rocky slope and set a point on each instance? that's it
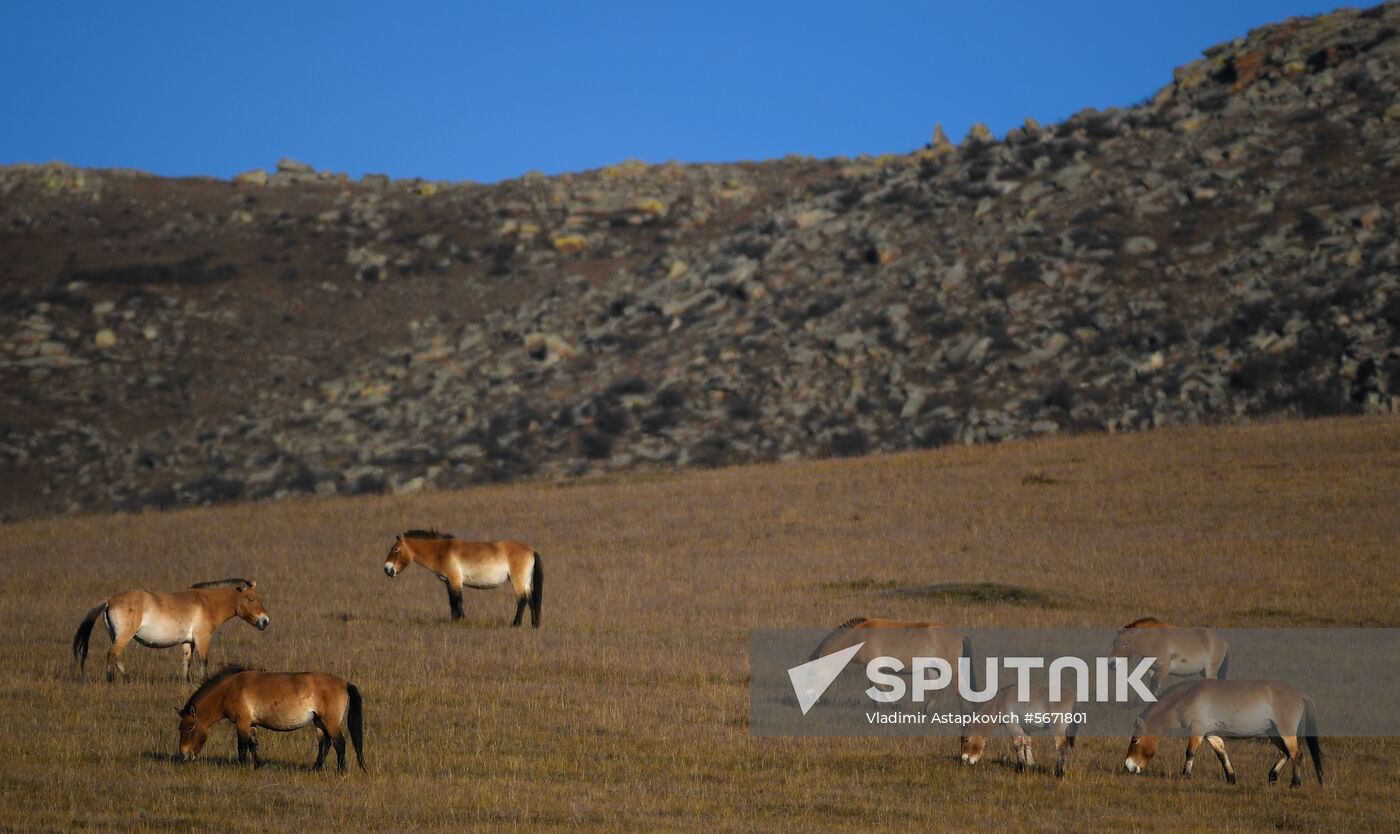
(1226, 249)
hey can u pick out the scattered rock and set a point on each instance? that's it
(287, 165)
(254, 177)
(1139, 245)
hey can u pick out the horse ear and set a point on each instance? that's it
(253, 584)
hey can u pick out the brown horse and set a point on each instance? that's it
(1178, 651)
(458, 562)
(903, 640)
(187, 619)
(1212, 710)
(1060, 724)
(279, 701)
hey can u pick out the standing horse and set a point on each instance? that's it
(278, 701)
(481, 565)
(1178, 651)
(187, 619)
(1215, 709)
(903, 640)
(1004, 703)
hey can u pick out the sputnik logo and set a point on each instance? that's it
(813, 678)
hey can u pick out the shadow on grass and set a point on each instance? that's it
(1280, 617)
(232, 763)
(980, 593)
(422, 621)
(1006, 763)
(964, 593)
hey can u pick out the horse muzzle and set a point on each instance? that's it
(1131, 766)
(262, 622)
(391, 571)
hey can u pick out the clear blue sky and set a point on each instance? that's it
(487, 91)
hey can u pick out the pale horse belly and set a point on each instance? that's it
(282, 717)
(159, 631)
(487, 575)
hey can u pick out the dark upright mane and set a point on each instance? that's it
(425, 534)
(212, 681)
(1144, 621)
(221, 583)
(854, 621)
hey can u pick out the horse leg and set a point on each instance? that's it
(520, 603)
(1282, 759)
(1021, 743)
(1295, 753)
(340, 751)
(1062, 749)
(454, 600)
(253, 748)
(1218, 745)
(335, 734)
(114, 656)
(185, 651)
(1192, 745)
(202, 644)
(323, 743)
(247, 741)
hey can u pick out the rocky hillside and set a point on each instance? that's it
(1226, 249)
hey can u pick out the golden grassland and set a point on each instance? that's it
(628, 710)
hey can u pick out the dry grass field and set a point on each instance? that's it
(627, 711)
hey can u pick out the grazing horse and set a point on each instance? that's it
(279, 701)
(482, 565)
(903, 640)
(1216, 709)
(1179, 651)
(1004, 703)
(187, 619)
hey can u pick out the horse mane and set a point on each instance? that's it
(425, 534)
(211, 681)
(1145, 622)
(852, 622)
(221, 583)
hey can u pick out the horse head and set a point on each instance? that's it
(249, 606)
(1141, 749)
(399, 558)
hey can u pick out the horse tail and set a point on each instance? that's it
(971, 664)
(1224, 671)
(356, 722)
(1310, 733)
(84, 634)
(536, 591)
